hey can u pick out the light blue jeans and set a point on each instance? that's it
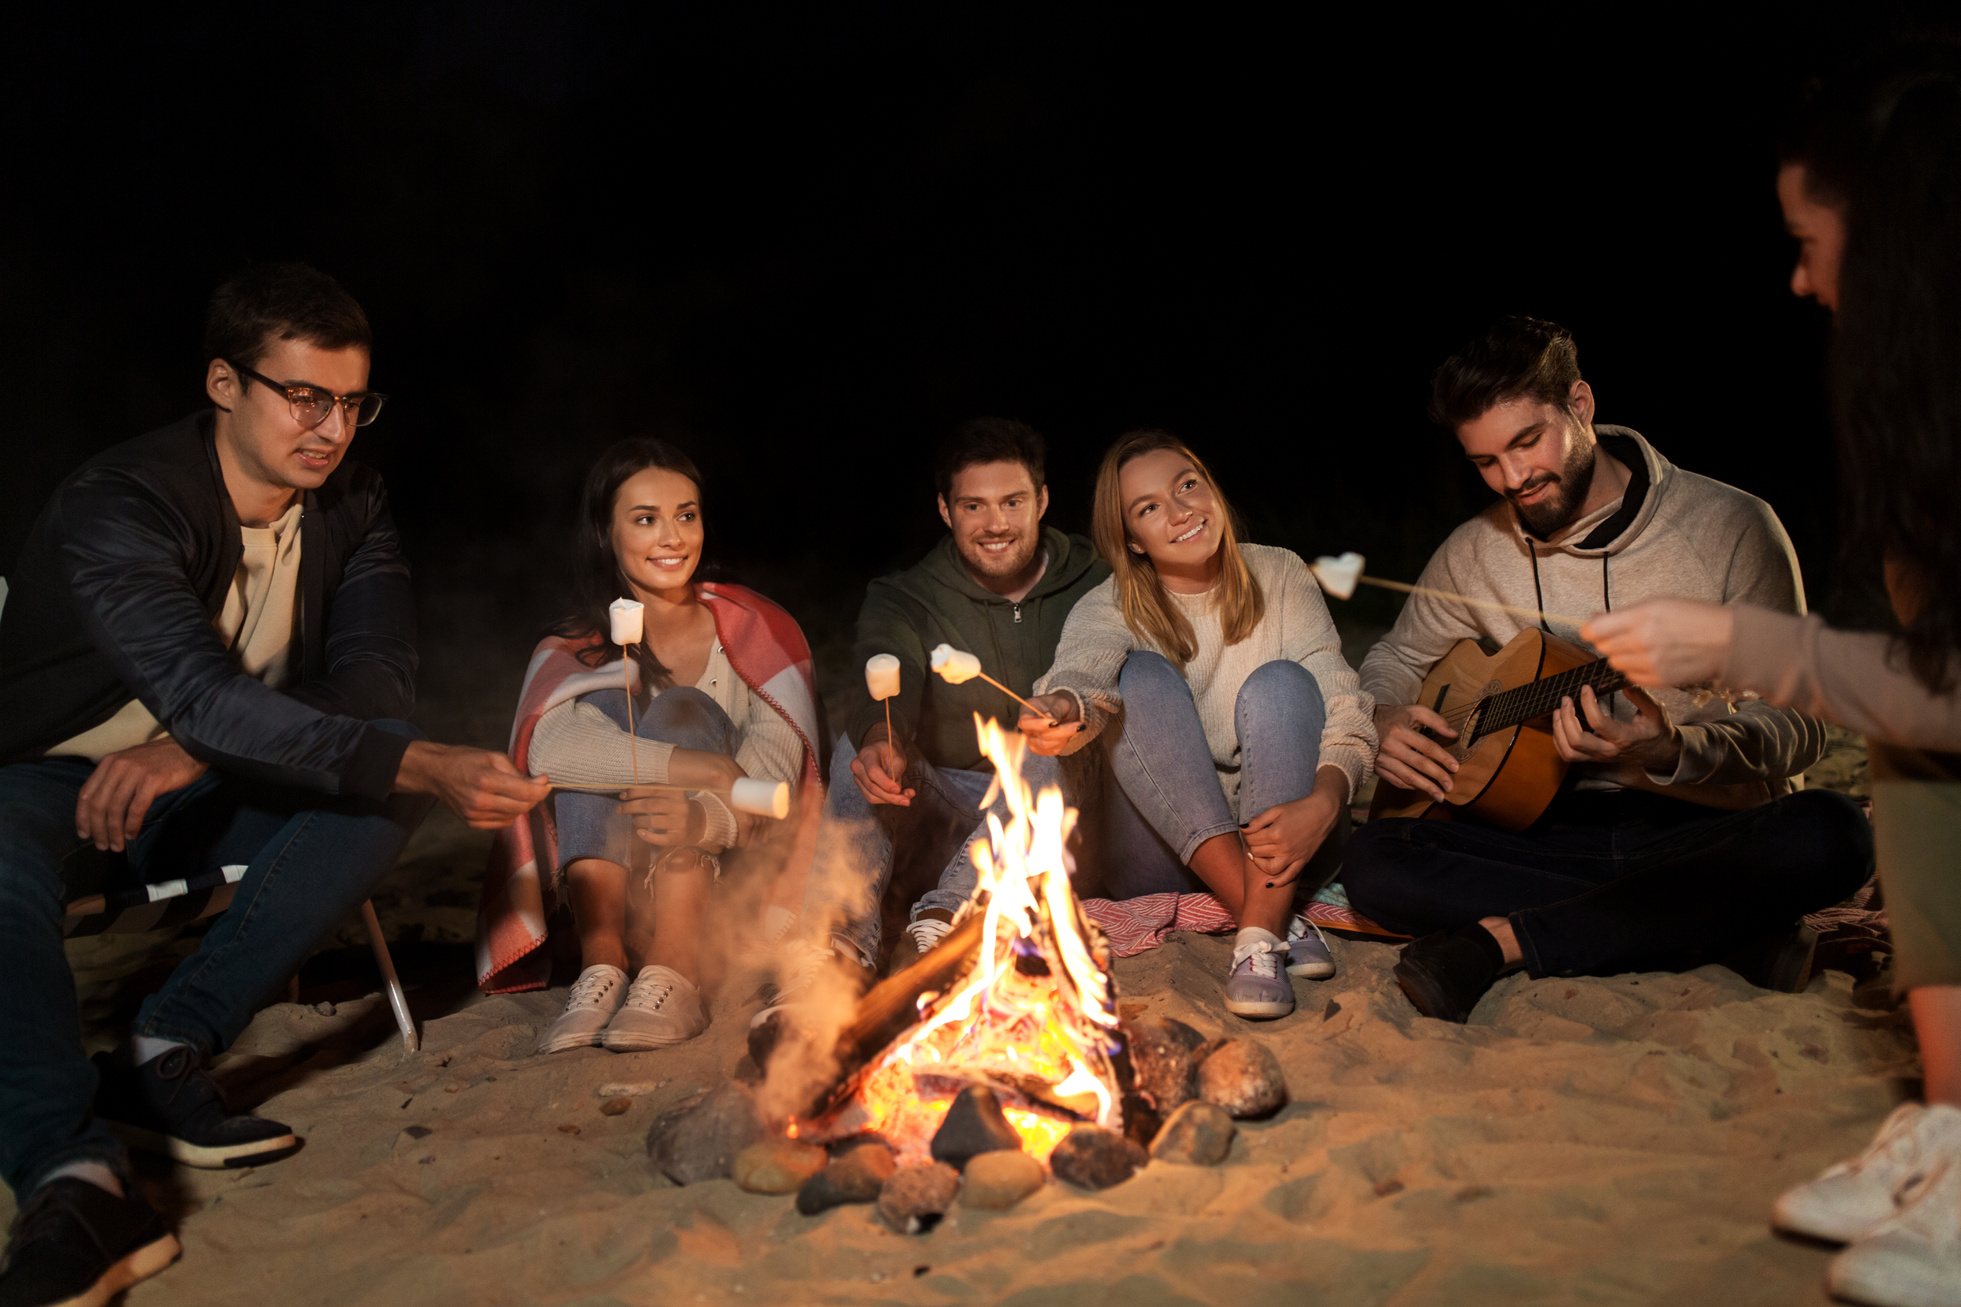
(588, 826)
(858, 839)
(1164, 798)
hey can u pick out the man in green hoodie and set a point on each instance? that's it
(999, 586)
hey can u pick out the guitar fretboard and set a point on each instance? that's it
(1522, 703)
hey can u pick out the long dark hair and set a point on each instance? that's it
(1883, 145)
(596, 577)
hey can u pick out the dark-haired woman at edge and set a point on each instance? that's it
(722, 690)
(1871, 186)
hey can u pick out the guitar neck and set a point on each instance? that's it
(1523, 703)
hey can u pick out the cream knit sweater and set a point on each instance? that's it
(577, 744)
(1096, 641)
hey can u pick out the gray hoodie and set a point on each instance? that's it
(1672, 534)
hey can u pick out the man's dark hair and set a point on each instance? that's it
(283, 301)
(991, 440)
(1513, 358)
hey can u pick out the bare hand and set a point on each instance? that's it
(1650, 740)
(1664, 641)
(665, 818)
(481, 787)
(880, 769)
(1050, 735)
(1407, 756)
(118, 793)
(1282, 839)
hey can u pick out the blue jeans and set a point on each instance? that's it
(1164, 798)
(588, 826)
(310, 860)
(1607, 882)
(860, 842)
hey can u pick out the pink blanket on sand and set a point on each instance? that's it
(767, 650)
(1134, 925)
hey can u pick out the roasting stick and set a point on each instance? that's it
(1338, 576)
(628, 620)
(763, 798)
(956, 666)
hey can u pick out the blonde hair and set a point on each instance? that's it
(1150, 613)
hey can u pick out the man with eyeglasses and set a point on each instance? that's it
(207, 655)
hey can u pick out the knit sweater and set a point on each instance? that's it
(1296, 627)
(1673, 533)
(1852, 677)
(577, 744)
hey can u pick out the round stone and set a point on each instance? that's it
(916, 1196)
(998, 1180)
(1198, 1134)
(777, 1166)
(1244, 1078)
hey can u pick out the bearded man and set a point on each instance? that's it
(999, 585)
(1614, 876)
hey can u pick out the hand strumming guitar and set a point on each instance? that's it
(1409, 758)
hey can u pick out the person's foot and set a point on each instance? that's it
(829, 972)
(924, 934)
(1445, 974)
(171, 1105)
(1851, 1197)
(596, 996)
(1913, 1257)
(1780, 961)
(75, 1244)
(1257, 984)
(663, 1007)
(1308, 954)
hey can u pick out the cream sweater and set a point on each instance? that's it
(577, 744)
(1689, 537)
(1296, 627)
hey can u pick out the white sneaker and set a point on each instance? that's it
(1849, 1198)
(596, 995)
(662, 1008)
(1912, 1258)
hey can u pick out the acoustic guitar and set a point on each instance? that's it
(1501, 705)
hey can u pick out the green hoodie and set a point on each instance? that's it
(936, 601)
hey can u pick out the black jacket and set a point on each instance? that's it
(122, 577)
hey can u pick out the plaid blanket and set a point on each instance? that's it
(1134, 925)
(767, 650)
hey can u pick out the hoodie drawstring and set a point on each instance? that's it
(1539, 594)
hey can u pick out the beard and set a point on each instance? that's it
(1550, 515)
(1004, 564)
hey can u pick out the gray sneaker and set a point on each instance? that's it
(1257, 985)
(662, 1008)
(1308, 954)
(595, 996)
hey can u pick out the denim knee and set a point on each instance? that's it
(1148, 679)
(1281, 680)
(681, 710)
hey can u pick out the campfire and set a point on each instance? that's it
(1017, 999)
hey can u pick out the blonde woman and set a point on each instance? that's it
(1212, 673)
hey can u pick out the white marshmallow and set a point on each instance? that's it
(882, 676)
(628, 616)
(1338, 575)
(954, 665)
(762, 798)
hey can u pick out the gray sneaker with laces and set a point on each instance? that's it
(1257, 986)
(662, 1008)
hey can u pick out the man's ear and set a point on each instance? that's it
(945, 516)
(222, 385)
(1041, 503)
(1579, 401)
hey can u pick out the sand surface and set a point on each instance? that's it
(1598, 1141)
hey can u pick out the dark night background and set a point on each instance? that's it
(807, 245)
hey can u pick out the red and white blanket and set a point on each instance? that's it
(1134, 925)
(767, 650)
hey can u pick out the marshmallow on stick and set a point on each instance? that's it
(1339, 577)
(882, 679)
(956, 667)
(628, 618)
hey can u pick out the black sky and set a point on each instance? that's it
(807, 245)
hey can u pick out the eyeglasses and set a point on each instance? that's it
(311, 405)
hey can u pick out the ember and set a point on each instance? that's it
(1032, 1015)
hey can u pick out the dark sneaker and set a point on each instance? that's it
(922, 935)
(1780, 961)
(75, 1244)
(1445, 974)
(171, 1105)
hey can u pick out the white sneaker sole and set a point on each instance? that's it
(1269, 1008)
(205, 1158)
(1311, 970)
(566, 1043)
(624, 1043)
(139, 1265)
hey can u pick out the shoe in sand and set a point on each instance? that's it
(596, 996)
